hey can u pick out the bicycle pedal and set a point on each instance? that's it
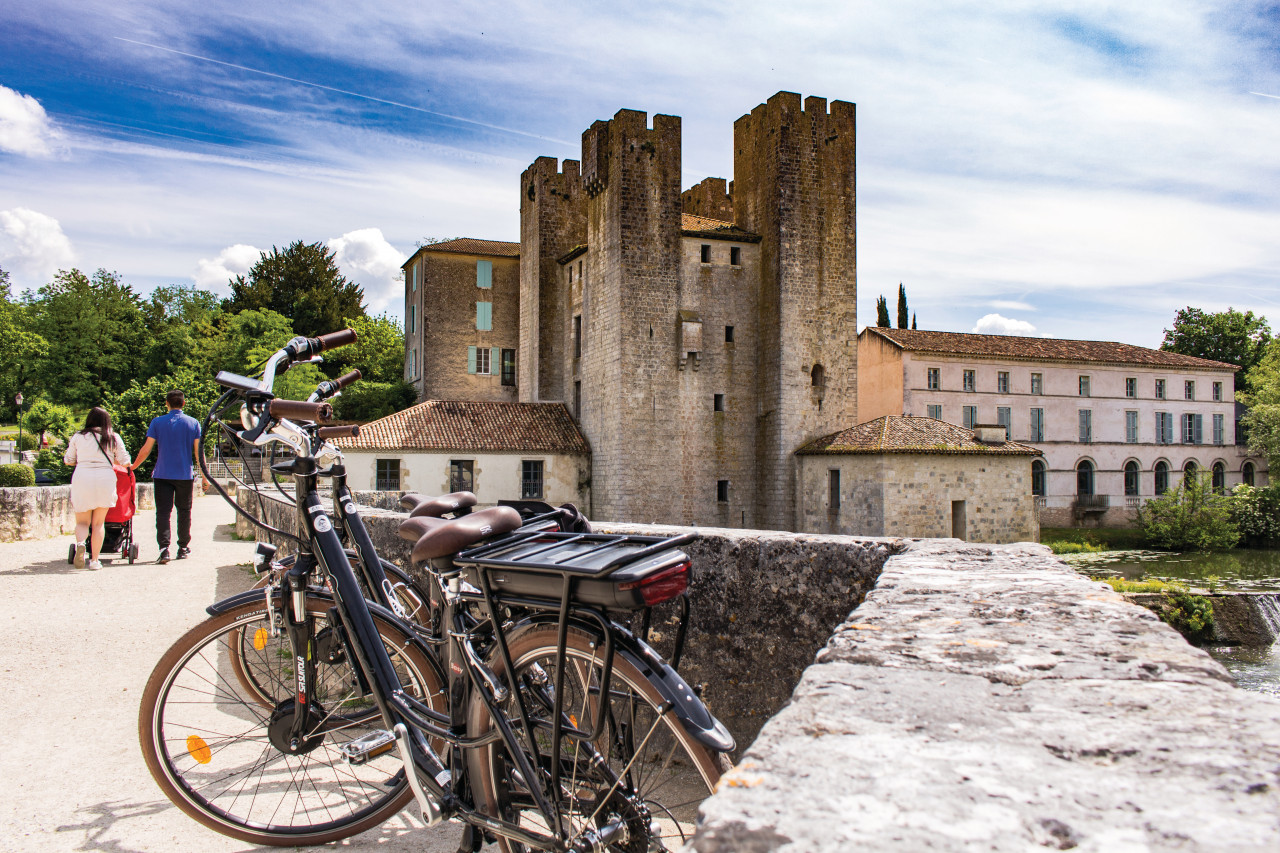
(360, 750)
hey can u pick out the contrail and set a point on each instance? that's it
(1265, 95)
(345, 92)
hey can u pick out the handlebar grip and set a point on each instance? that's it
(348, 431)
(333, 340)
(346, 379)
(300, 410)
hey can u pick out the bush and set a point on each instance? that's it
(1191, 615)
(17, 475)
(1257, 513)
(369, 401)
(59, 471)
(1191, 517)
(27, 441)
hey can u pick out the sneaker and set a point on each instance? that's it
(79, 560)
(164, 556)
(184, 552)
(94, 565)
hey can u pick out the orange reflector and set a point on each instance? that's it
(260, 639)
(573, 718)
(199, 750)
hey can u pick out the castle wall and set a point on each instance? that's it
(711, 198)
(446, 326)
(794, 184)
(552, 222)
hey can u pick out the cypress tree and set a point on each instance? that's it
(882, 313)
(902, 306)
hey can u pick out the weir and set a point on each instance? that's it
(961, 697)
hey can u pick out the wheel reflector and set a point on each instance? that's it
(199, 750)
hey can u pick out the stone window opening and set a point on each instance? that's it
(833, 489)
(1189, 389)
(1219, 477)
(728, 334)
(818, 383)
(1084, 386)
(462, 476)
(735, 256)
(1162, 477)
(717, 402)
(933, 379)
(970, 380)
(1131, 387)
(1002, 382)
(577, 399)
(722, 491)
(480, 360)
(1247, 474)
(1037, 478)
(706, 253)
(386, 475)
(1131, 478)
(1037, 383)
(1189, 472)
(1217, 392)
(1160, 389)
(508, 367)
(1084, 478)
(577, 336)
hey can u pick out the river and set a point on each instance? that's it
(1243, 570)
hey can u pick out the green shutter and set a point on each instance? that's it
(484, 274)
(471, 359)
(494, 361)
(484, 316)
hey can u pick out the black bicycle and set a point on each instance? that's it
(538, 720)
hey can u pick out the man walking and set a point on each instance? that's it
(178, 435)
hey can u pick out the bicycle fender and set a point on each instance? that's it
(249, 596)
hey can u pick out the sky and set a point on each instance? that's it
(1063, 169)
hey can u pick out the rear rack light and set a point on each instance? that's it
(661, 586)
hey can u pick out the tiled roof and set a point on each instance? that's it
(455, 425)
(1044, 349)
(701, 226)
(908, 434)
(472, 246)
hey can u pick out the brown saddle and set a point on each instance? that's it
(437, 537)
(421, 505)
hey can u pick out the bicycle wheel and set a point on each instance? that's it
(655, 774)
(221, 757)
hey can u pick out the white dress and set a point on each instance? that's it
(93, 485)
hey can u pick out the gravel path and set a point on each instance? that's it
(77, 649)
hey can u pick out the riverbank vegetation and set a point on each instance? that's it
(1191, 615)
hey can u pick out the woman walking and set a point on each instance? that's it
(96, 451)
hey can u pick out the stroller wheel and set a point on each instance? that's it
(133, 553)
(71, 554)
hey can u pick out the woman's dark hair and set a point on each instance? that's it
(98, 422)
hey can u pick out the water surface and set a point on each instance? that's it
(1242, 570)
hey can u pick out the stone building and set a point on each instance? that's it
(918, 477)
(497, 450)
(1117, 423)
(699, 337)
(462, 320)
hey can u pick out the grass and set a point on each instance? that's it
(1126, 585)
(1076, 540)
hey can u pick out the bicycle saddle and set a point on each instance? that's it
(412, 529)
(449, 537)
(420, 505)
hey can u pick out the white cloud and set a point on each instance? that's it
(24, 125)
(33, 246)
(994, 324)
(214, 274)
(1010, 305)
(365, 257)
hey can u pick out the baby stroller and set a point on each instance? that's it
(118, 529)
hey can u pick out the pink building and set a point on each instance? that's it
(1117, 423)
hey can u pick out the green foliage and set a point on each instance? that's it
(1256, 512)
(21, 350)
(902, 306)
(1230, 336)
(303, 283)
(1101, 538)
(16, 476)
(95, 332)
(1190, 517)
(46, 417)
(368, 401)
(1075, 547)
(378, 352)
(1126, 585)
(1191, 615)
(882, 313)
(133, 409)
(1262, 423)
(27, 441)
(51, 460)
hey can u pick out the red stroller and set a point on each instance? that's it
(118, 529)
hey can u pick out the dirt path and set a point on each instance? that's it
(76, 648)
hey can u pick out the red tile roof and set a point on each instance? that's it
(472, 246)
(908, 434)
(457, 425)
(718, 229)
(1041, 349)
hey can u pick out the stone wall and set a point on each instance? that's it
(38, 512)
(988, 697)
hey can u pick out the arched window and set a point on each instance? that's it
(1189, 471)
(1037, 478)
(1162, 477)
(1219, 477)
(1084, 478)
(818, 376)
(1131, 478)
(1246, 474)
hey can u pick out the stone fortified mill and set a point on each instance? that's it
(699, 338)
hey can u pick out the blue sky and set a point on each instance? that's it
(1076, 170)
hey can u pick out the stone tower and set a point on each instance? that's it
(794, 185)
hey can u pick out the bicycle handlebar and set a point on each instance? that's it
(347, 431)
(330, 387)
(333, 340)
(299, 410)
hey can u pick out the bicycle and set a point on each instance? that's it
(556, 728)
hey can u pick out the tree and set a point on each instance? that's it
(21, 350)
(902, 306)
(913, 321)
(1262, 422)
(1229, 336)
(882, 313)
(303, 283)
(95, 332)
(378, 352)
(1190, 517)
(46, 417)
(134, 407)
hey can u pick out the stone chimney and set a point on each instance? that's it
(989, 433)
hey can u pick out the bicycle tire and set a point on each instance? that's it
(665, 759)
(412, 599)
(208, 746)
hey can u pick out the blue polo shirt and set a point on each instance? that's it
(174, 433)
